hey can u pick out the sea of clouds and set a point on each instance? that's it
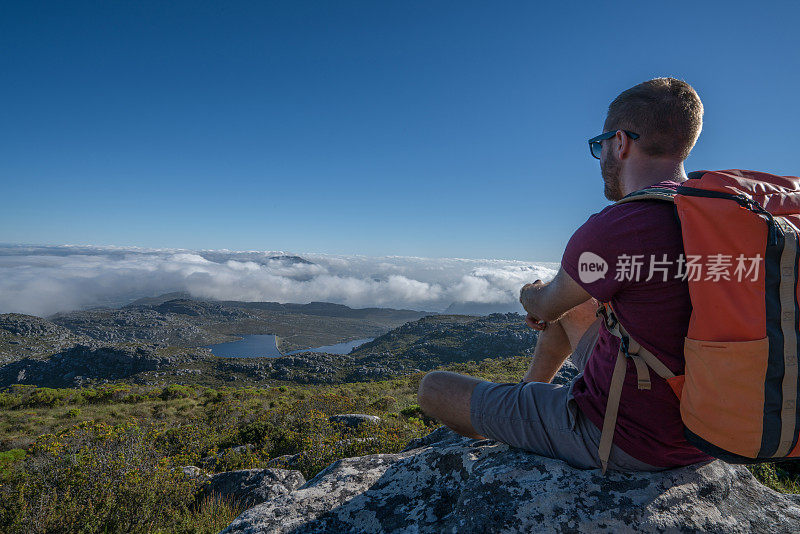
(42, 280)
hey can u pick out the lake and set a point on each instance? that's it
(263, 346)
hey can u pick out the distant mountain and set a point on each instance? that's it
(161, 299)
(255, 257)
(440, 339)
(191, 322)
(158, 345)
(327, 309)
(330, 309)
(482, 308)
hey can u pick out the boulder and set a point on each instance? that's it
(353, 420)
(253, 486)
(287, 460)
(210, 461)
(449, 483)
(192, 472)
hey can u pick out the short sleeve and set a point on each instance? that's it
(602, 255)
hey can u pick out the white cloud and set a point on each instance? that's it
(46, 280)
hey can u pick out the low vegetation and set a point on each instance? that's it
(108, 459)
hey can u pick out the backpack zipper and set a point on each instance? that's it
(744, 201)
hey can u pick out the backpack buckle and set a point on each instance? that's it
(608, 316)
(625, 346)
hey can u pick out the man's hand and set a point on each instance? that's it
(524, 298)
(534, 323)
(547, 302)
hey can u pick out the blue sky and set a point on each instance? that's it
(435, 129)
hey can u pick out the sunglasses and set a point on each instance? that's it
(595, 145)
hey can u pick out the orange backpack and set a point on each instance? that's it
(739, 393)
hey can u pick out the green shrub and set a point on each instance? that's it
(72, 413)
(186, 443)
(8, 401)
(177, 391)
(8, 460)
(134, 398)
(775, 477)
(212, 514)
(412, 411)
(384, 403)
(105, 394)
(256, 432)
(416, 415)
(96, 478)
(48, 398)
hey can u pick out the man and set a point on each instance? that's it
(648, 133)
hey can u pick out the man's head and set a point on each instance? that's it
(668, 116)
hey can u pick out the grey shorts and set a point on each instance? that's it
(545, 419)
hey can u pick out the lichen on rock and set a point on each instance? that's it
(449, 483)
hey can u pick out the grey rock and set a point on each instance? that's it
(193, 472)
(354, 420)
(100, 363)
(240, 449)
(454, 484)
(287, 460)
(441, 433)
(350, 441)
(30, 325)
(210, 461)
(253, 486)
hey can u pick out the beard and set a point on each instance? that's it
(611, 169)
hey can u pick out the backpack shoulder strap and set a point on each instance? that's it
(649, 193)
(642, 359)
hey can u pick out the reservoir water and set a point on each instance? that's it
(264, 346)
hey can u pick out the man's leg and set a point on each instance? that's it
(447, 396)
(578, 319)
(559, 340)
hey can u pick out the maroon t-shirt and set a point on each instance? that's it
(655, 312)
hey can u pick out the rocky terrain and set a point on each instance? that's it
(439, 339)
(157, 344)
(27, 336)
(83, 365)
(185, 322)
(448, 483)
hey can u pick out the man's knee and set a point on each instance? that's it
(583, 313)
(577, 320)
(428, 386)
(446, 396)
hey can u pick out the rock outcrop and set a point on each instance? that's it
(28, 336)
(134, 325)
(354, 420)
(30, 325)
(447, 483)
(434, 341)
(76, 365)
(253, 486)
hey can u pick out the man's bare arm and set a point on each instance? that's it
(551, 350)
(548, 305)
(549, 301)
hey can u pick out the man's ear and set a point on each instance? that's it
(623, 144)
